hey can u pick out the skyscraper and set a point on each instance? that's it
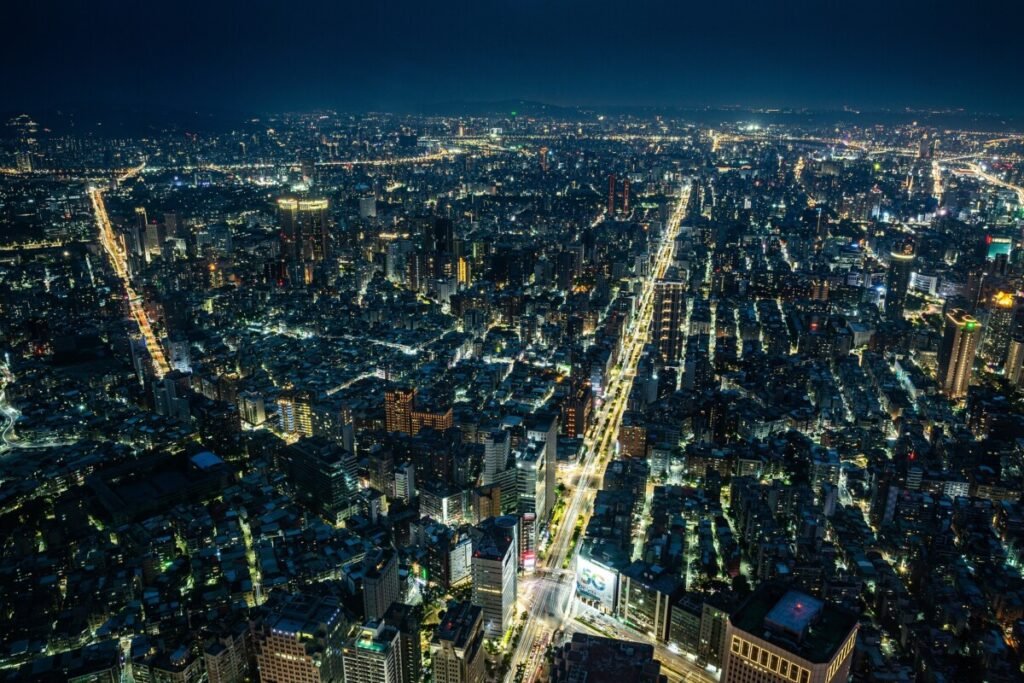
(577, 409)
(1000, 313)
(373, 655)
(897, 281)
(456, 649)
(304, 237)
(323, 474)
(784, 636)
(497, 447)
(398, 405)
(301, 640)
(403, 617)
(669, 316)
(611, 195)
(440, 237)
(295, 412)
(543, 428)
(494, 572)
(380, 582)
(956, 354)
(1013, 369)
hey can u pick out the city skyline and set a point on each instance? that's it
(494, 342)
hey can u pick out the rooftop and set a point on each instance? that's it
(801, 624)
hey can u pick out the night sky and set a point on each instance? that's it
(256, 55)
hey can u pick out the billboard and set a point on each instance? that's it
(597, 583)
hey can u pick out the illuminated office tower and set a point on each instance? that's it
(304, 238)
(611, 195)
(670, 316)
(252, 408)
(302, 640)
(456, 650)
(398, 407)
(780, 635)
(625, 196)
(494, 567)
(135, 239)
(374, 655)
(295, 411)
(897, 281)
(436, 415)
(153, 240)
(1001, 311)
(956, 354)
(578, 409)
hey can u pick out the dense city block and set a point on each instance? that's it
(532, 395)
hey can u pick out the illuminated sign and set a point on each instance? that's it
(596, 582)
(529, 560)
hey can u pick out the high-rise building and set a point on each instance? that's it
(439, 237)
(368, 207)
(1013, 369)
(170, 397)
(670, 316)
(578, 410)
(543, 428)
(227, 655)
(403, 617)
(301, 640)
(781, 635)
(295, 412)
(252, 408)
(135, 239)
(304, 234)
(323, 474)
(438, 416)
(1000, 313)
(497, 447)
(956, 354)
(533, 506)
(398, 407)
(332, 419)
(605, 660)
(380, 582)
(495, 583)
(625, 196)
(456, 648)
(179, 666)
(405, 481)
(611, 195)
(373, 655)
(897, 281)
